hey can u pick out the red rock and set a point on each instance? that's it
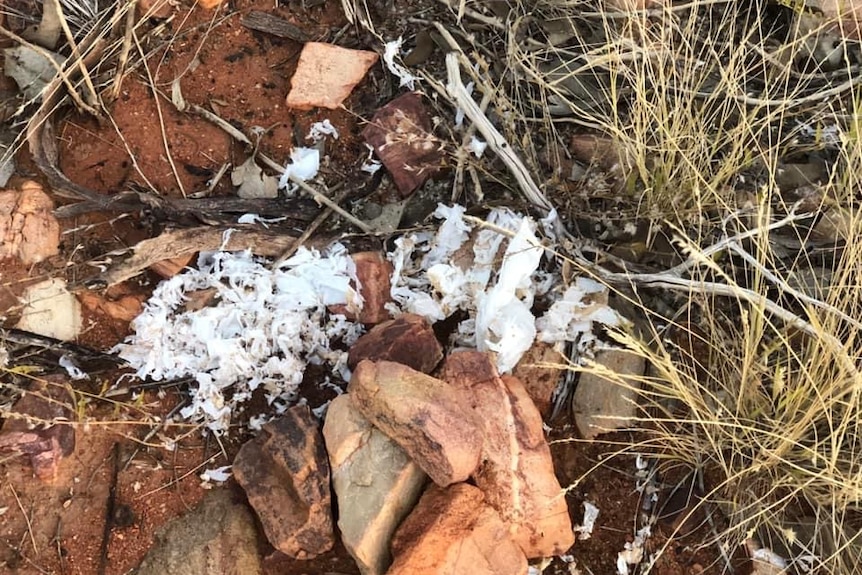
(285, 473)
(540, 369)
(408, 339)
(326, 74)
(453, 531)
(425, 416)
(46, 444)
(373, 271)
(400, 133)
(516, 473)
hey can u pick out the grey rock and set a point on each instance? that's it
(218, 537)
(603, 404)
(375, 483)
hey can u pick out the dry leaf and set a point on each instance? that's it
(252, 182)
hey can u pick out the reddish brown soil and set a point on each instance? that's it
(243, 77)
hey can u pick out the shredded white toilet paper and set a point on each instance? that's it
(265, 325)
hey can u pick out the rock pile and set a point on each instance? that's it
(438, 465)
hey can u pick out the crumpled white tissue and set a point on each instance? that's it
(304, 165)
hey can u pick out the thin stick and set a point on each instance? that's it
(456, 90)
(76, 54)
(26, 518)
(161, 116)
(123, 60)
(318, 221)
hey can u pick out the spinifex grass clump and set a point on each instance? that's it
(755, 379)
(693, 99)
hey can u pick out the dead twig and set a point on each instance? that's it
(26, 519)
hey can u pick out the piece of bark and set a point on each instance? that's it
(408, 339)
(269, 24)
(453, 531)
(517, 473)
(285, 473)
(185, 242)
(425, 416)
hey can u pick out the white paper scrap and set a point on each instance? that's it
(305, 163)
(504, 322)
(319, 130)
(392, 50)
(591, 513)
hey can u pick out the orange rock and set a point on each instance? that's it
(424, 415)
(28, 229)
(160, 8)
(170, 268)
(373, 271)
(408, 339)
(326, 74)
(517, 473)
(453, 531)
(124, 308)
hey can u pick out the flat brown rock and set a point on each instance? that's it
(453, 531)
(326, 74)
(400, 133)
(376, 484)
(517, 473)
(425, 416)
(285, 473)
(408, 339)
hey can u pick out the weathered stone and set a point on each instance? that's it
(52, 310)
(453, 531)
(28, 229)
(602, 404)
(408, 339)
(30, 429)
(425, 416)
(375, 483)
(540, 370)
(326, 74)
(373, 271)
(400, 133)
(285, 474)
(517, 473)
(217, 536)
